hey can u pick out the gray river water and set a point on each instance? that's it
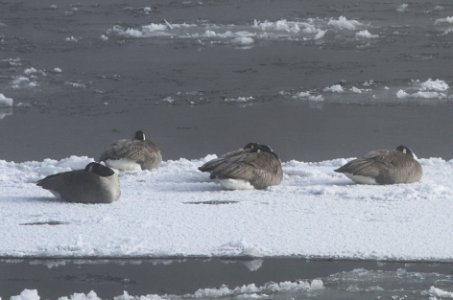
(313, 79)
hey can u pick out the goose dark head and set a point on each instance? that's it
(405, 150)
(264, 148)
(99, 169)
(252, 147)
(139, 135)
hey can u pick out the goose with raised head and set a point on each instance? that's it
(384, 167)
(94, 184)
(254, 166)
(132, 154)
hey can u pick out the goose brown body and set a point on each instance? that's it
(384, 167)
(255, 164)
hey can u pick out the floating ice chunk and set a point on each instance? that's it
(240, 99)
(428, 95)
(243, 40)
(253, 291)
(309, 96)
(81, 296)
(444, 20)
(280, 25)
(448, 30)
(26, 295)
(154, 27)
(147, 10)
(434, 85)
(253, 265)
(29, 71)
(402, 8)
(366, 35)
(57, 70)
(131, 32)
(5, 101)
(32, 71)
(402, 94)
(344, 23)
(320, 34)
(337, 88)
(210, 34)
(356, 90)
(437, 292)
(23, 82)
(71, 39)
(368, 82)
(169, 99)
(75, 84)
(13, 62)
(104, 37)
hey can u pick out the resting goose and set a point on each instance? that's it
(132, 154)
(384, 167)
(94, 184)
(253, 166)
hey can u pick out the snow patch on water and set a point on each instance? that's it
(240, 99)
(311, 29)
(437, 292)
(248, 291)
(26, 295)
(402, 8)
(429, 89)
(343, 23)
(337, 88)
(23, 82)
(366, 35)
(5, 101)
(444, 20)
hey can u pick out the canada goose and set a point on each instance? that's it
(253, 166)
(94, 184)
(132, 154)
(384, 167)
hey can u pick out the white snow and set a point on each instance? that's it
(336, 88)
(241, 99)
(310, 29)
(402, 8)
(429, 89)
(309, 96)
(178, 211)
(26, 295)
(437, 292)
(343, 23)
(445, 20)
(249, 291)
(5, 101)
(71, 39)
(356, 90)
(23, 82)
(434, 85)
(366, 34)
(81, 296)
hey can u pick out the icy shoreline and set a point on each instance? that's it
(178, 212)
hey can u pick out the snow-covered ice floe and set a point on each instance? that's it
(179, 211)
